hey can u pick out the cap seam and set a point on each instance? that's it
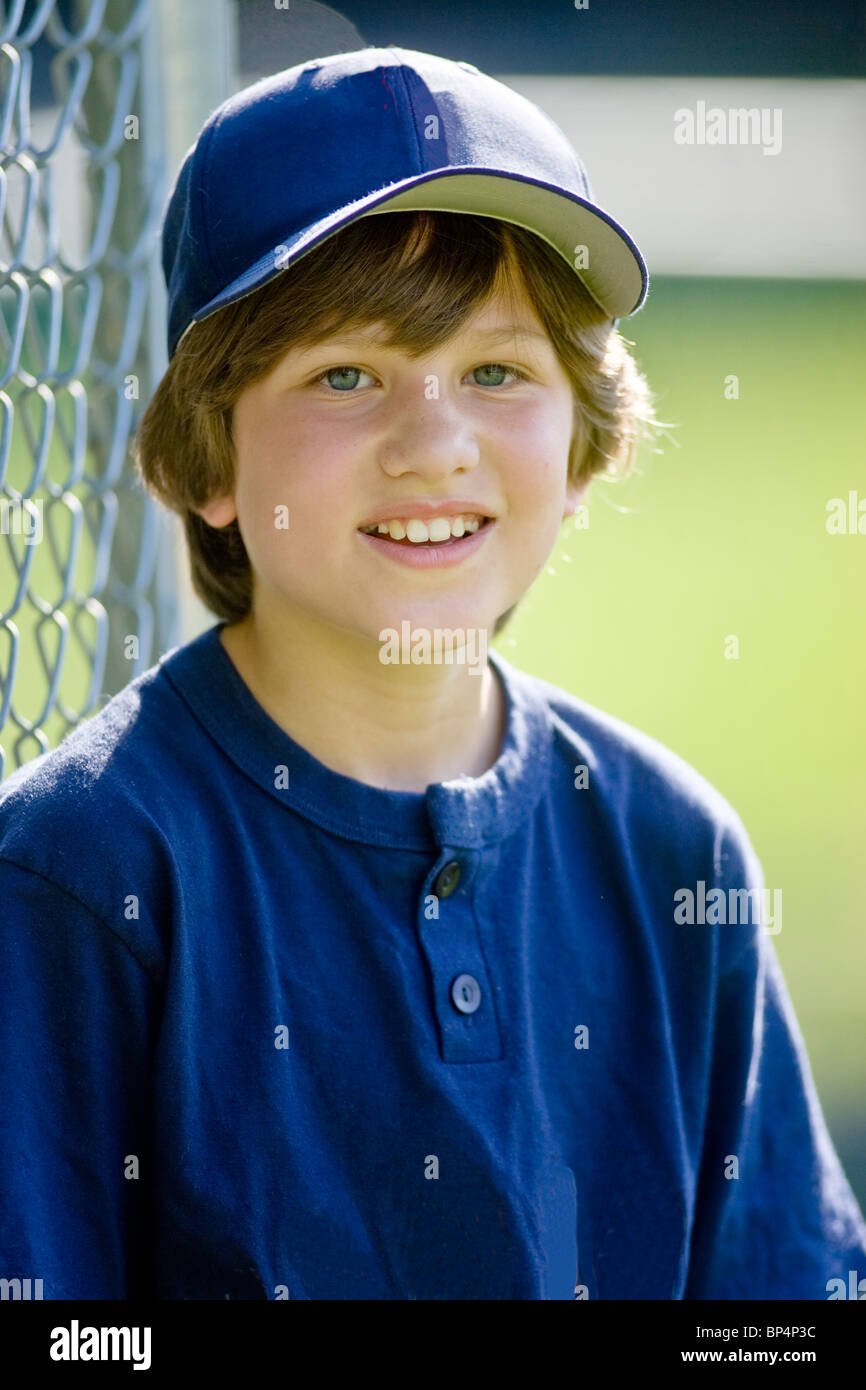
(413, 123)
(200, 191)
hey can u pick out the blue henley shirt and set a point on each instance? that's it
(269, 1032)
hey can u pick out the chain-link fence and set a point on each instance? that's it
(98, 101)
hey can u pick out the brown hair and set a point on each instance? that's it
(422, 274)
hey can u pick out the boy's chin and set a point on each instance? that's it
(443, 616)
(428, 623)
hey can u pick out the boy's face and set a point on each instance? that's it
(337, 434)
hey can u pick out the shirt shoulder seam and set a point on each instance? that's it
(37, 873)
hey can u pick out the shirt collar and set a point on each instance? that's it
(466, 811)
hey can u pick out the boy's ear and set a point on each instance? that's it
(219, 511)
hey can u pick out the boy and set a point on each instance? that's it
(329, 976)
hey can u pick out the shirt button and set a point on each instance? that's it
(466, 993)
(447, 880)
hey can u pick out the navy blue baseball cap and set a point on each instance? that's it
(292, 159)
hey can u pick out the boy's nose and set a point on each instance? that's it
(429, 438)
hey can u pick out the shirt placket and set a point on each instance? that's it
(461, 986)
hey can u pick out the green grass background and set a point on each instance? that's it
(723, 532)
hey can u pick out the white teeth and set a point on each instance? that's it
(438, 528)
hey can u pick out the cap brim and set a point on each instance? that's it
(615, 275)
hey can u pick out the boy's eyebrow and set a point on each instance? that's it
(513, 330)
(493, 335)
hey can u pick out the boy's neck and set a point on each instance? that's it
(395, 728)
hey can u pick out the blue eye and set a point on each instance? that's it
(497, 367)
(341, 372)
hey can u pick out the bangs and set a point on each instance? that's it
(421, 276)
(418, 274)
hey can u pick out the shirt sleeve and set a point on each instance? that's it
(775, 1215)
(74, 1040)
